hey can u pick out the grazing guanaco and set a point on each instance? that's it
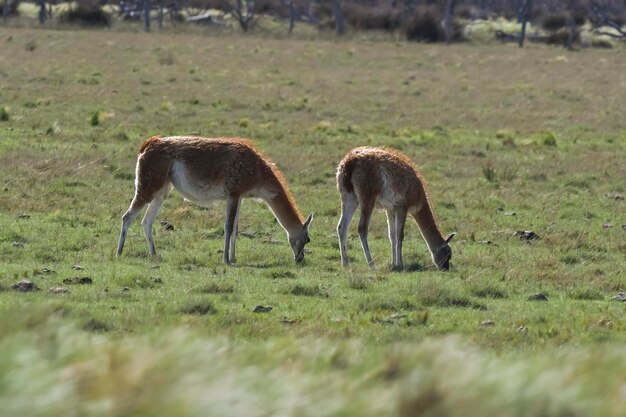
(381, 177)
(204, 170)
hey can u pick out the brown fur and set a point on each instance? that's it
(378, 176)
(242, 166)
(147, 142)
(360, 172)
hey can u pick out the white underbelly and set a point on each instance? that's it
(201, 193)
(205, 193)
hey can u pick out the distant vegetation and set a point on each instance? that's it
(561, 22)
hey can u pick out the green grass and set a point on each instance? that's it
(509, 140)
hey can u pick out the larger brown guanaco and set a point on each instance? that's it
(204, 170)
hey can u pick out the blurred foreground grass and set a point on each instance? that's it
(65, 371)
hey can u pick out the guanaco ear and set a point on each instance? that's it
(450, 236)
(308, 221)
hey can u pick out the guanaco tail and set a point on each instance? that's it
(204, 170)
(381, 177)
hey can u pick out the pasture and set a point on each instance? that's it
(509, 140)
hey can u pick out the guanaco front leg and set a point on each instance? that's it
(349, 204)
(364, 223)
(233, 237)
(391, 226)
(232, 210)
(400, 218)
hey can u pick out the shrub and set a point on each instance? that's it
(601, 43)
(323, 11)
(371, 17)
(97, 326)
(208, 4)
(13, 7)
(272, 8)
(549, 138)
(618, 18)
(94, 120)
(579, 19)
(470, 12)
(488, 291)
(199, 308)
(489, 172)
(86, 13)
(464, 11)
(308, 291)
(560, 38)
(554, 21)
(214, 288)
(424, 26)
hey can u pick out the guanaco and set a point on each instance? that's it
(382, 177)
(204, 170)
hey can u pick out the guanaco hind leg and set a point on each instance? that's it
(136, 206)
(127, 219)
(151, 188)
(349, 204)
(367, 208)
(391, 226)
(151, 213)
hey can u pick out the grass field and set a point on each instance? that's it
(509, 140)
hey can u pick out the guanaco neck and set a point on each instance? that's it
(425, 219)
(285, 210)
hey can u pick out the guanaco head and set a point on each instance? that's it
(298, 241)
(442, 256)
